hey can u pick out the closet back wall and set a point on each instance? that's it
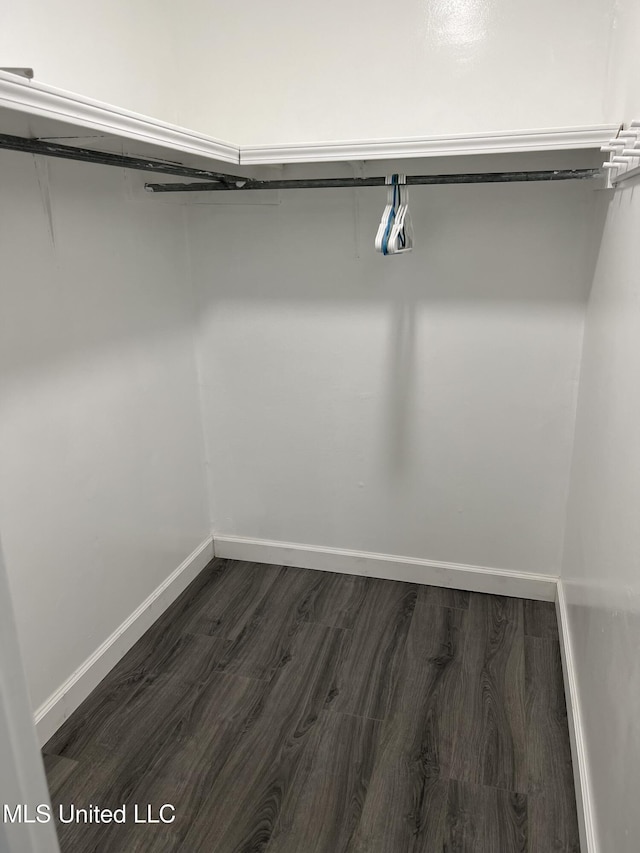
(345, 69)
(420, 405)
(102, 494)
(257, 73)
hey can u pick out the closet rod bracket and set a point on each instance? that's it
(20, 72)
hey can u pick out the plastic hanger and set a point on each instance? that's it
(387, 216)
(401, 236)
(395, 232)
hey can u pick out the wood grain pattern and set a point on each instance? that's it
(233, 600)
(440, 596)
(417, 740)
(148, 659)
(336, 599)
(372, 650)
(110, 713)
(541, 620)
(491, 744)
(244, 804)
(58, 770)
(553, 819)
(479, 819)
(296, 598)
(323, 807)
(173, 758)
(284, 710)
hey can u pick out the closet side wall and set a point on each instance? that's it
(102, 492)
(419, 405)
(601, 572)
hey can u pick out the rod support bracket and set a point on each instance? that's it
(20, 72)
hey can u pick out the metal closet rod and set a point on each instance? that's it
(87, 155)
(412, 180)
(221, 181)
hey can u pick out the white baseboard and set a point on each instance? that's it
(586, 823)
(50, 715)
(451, 575)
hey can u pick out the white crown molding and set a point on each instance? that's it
(34, 98)
(28, 96)
(502, 142)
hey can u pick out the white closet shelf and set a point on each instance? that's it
(500, 142)
(68, 109)
(18, 94)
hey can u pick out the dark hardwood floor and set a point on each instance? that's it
(290, 711)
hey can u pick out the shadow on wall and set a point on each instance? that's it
(89, 265)
(483, 253)
(420, 404)
(479, 243)
(401, 390)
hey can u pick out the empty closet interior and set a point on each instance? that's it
(279, 505)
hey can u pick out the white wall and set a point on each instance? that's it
(286, 71)
(117, 51)
(419, 405)
(22, 779)
(102, 493)
(601, 571)
(345, 69)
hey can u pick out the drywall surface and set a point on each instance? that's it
(602, 566)
(112, 50)
(601, 571)
(623, 88)
(306, 72)
(102, 494)
(265, 73)
(419, 405)
(22, 779)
